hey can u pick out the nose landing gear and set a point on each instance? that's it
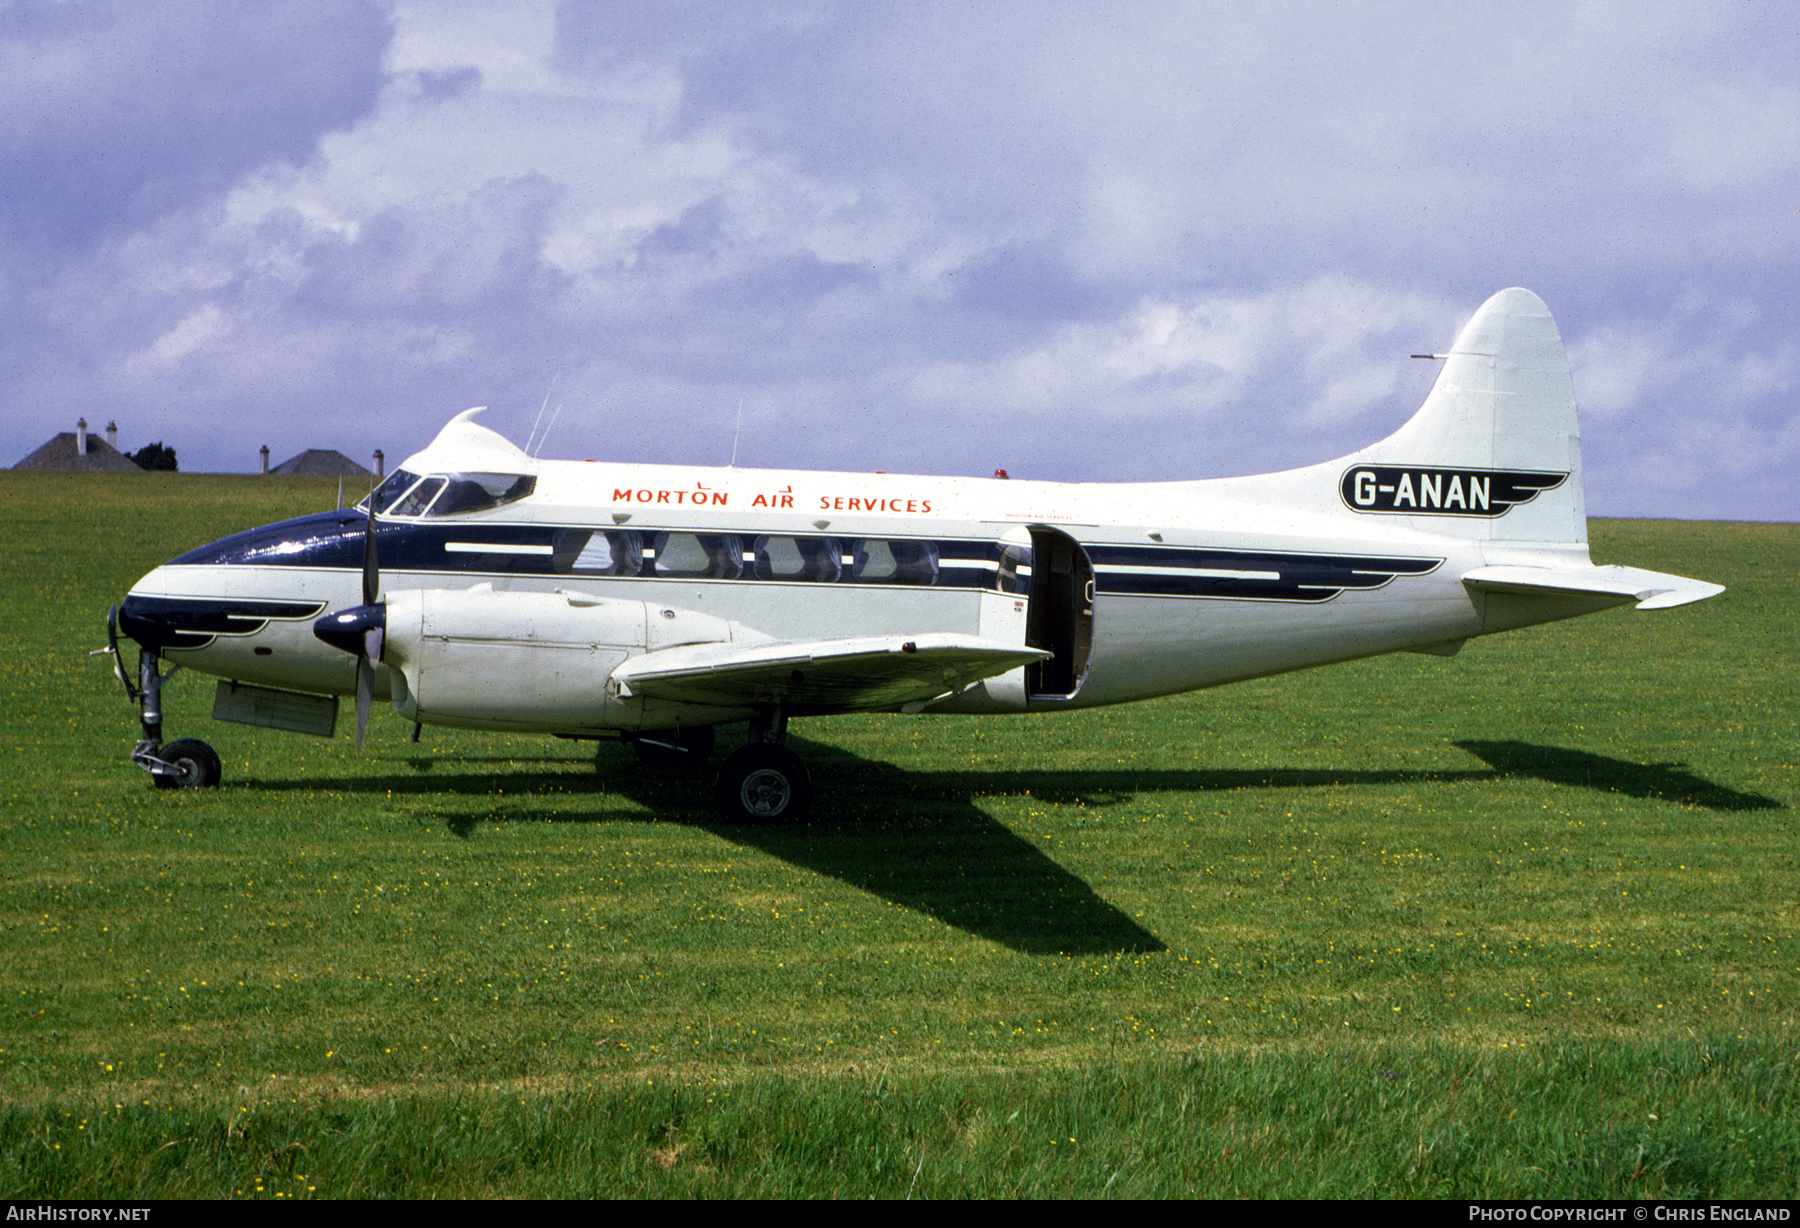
(185, 764)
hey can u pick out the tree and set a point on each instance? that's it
(154, 456)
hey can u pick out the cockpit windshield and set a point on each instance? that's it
(397, 484)
(448, 494)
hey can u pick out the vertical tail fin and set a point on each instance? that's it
(1495, 451)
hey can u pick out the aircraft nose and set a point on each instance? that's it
(158, 622)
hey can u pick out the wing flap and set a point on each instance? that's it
(867, 672)
(1651, 590)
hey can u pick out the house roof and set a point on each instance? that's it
(59, 453)
(316, 461)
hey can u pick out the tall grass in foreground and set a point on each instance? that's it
(1517, 922)
(1670, 1119)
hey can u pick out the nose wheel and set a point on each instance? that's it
(187, 764)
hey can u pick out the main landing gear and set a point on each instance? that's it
(764, 782)
(185, 764)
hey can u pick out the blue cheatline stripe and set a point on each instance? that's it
(335, 540)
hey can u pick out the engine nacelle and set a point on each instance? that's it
(536, 662)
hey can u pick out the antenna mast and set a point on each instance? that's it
(532, 442)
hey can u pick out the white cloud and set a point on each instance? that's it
(1330, 347)
(198, 330)
(1112, 223)
(1729, 136)
(1615, 367)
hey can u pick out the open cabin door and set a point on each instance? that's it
(1060, 619)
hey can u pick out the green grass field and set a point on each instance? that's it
(1520, 923)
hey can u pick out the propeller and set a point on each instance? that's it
(361, 630)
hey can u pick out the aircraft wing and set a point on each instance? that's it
(867, 672)
(1652, 590)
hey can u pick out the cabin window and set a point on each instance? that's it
(696, 556)
(796, 558)
(895, 562)
(418, 498)
(609, 553)
(477, 492)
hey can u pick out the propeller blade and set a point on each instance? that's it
(371, 570)
(365, 696)
(360, 631)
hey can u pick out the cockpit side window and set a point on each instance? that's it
(418, 498)
(477, 492)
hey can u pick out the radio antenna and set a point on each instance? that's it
(739, 430)
(549, 426)
(532, 442)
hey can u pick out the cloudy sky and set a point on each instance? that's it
(1080, 241)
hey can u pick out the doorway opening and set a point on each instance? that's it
(1060, 617)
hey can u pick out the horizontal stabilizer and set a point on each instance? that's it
(1652, 590)
(865, 673)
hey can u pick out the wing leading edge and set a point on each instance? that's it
(860, 674)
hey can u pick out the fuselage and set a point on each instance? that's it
(1139, 590)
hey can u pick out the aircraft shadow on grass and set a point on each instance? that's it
(921, 840)
(1670, 782)
(918, 840)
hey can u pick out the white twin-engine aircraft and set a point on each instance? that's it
(482, 588)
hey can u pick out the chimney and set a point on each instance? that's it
(81, 436)
(380, 464)
(265, 459)
(112, 436)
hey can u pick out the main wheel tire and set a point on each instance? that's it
(199, 764)
(763, 783)
(676, 748)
